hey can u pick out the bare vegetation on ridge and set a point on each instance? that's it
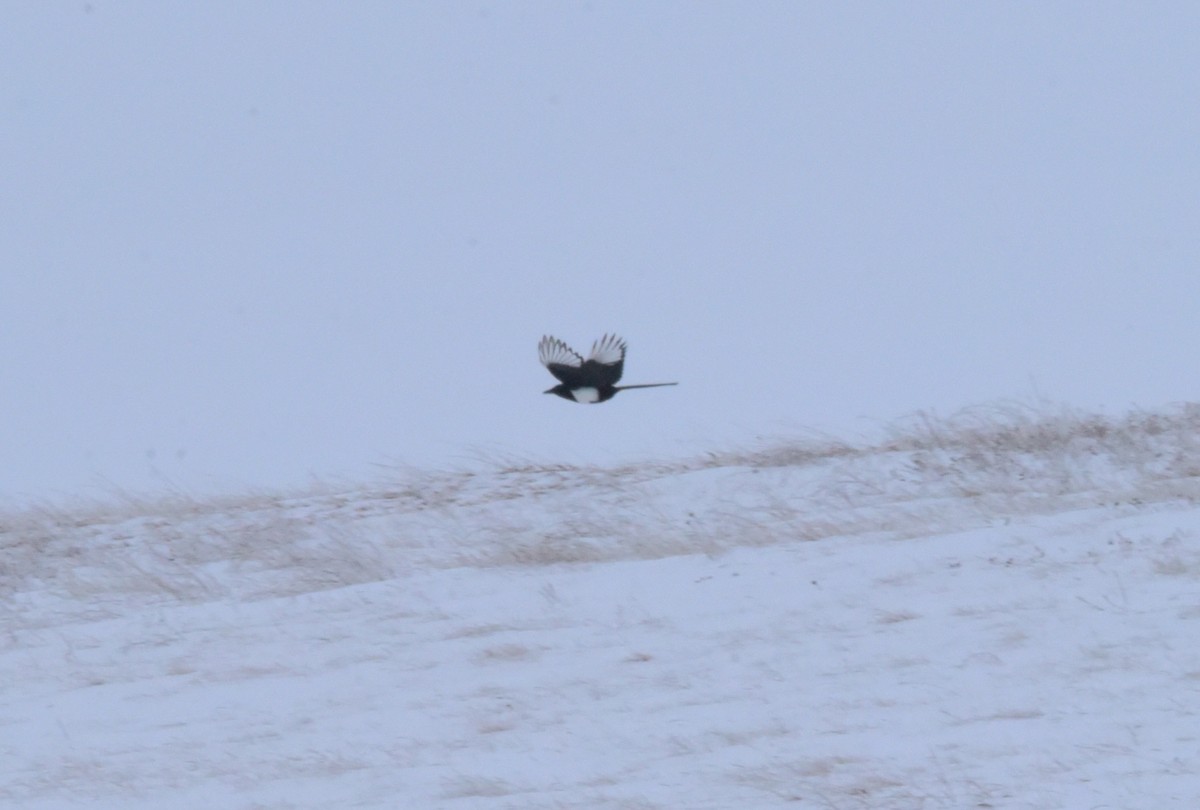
(927, 474)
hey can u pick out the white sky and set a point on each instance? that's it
(250, 244)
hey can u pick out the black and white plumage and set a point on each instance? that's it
(592, 380)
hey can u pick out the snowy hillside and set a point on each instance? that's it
(999, 610)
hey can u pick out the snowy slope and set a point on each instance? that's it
(1000, 610)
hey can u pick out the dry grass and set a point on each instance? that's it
(924, 474)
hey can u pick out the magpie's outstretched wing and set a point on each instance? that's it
(606, 363)
(603, 366)
(563, 362)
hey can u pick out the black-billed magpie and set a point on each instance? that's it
(592, 380)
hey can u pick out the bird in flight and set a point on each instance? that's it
(592, 380)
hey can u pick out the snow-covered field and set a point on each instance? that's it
(997, 610)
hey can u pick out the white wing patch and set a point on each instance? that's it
(608, 350)
(553, 350)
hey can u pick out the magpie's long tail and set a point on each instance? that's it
(644, 385)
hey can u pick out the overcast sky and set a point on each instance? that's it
(253, 244)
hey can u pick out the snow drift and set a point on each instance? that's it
(998, 609)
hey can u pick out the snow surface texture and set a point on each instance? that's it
(999, 610)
